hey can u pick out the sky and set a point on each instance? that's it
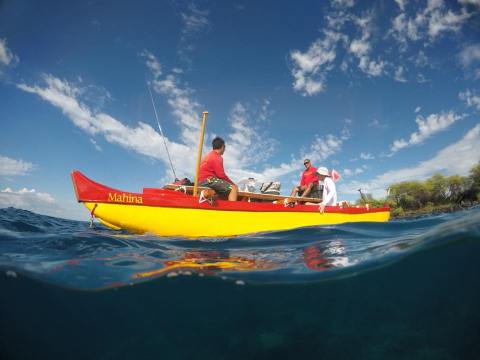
(381, 91)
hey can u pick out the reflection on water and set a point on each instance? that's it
(323, 256)
(320, 256)
(69, 254)
(131, 266)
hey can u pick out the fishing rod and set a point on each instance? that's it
(161, 132)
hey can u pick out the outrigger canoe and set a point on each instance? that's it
(173, 211)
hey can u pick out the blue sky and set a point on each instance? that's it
(382, 91)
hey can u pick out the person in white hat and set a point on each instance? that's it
(329, 197)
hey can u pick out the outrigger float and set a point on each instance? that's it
(190, 211)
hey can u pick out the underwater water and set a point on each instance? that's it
(407, 289)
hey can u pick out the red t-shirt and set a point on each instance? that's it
(309, 176)
(212, 166)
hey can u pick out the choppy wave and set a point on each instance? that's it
(71, 254)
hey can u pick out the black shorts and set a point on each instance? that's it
(220, 186)
(316, 192)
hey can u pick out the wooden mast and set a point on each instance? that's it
(199, 155)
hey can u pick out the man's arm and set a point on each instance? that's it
(220, 172)
(330, 193)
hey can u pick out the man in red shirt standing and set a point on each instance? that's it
(212, 174)
(308, 182)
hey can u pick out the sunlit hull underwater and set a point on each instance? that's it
(168, 212)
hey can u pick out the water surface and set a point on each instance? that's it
(406, 289)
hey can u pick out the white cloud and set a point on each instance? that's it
(427, 24)
(377, 124)
(184, 109)
(321, 149)
(142, 139)
(401, 4)
(398, 144)
(337, 47)
(455, 159)
(421, 78)
(324, 147)
(95, 145)
(399, 74)
(372, 67)
(361, 48)
(195, 21)
(366, 156)
(63, 95)
(246, 142)
(311, 67)
(152, 63)
(417, 109)
(27, 199)
(433, 124)
(420, 59)
(6, 56)
(343, 3)
(44, 197)
(41, 203)
(404, 29)
(471, 98)
(470, 55)
(336, 19)
(442, 21)
(12, 167)
(318, 151)
(349, 172)
(265, 111)
(470, 2)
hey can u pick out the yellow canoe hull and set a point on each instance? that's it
(167, 212)
(188, 222)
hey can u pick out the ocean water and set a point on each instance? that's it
(407, 289)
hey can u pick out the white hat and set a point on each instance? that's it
(323, 171)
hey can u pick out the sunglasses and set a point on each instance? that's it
(307, 162)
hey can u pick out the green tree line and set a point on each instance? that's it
(437, 193)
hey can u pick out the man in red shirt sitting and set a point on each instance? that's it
(308, 182)
(212, 174)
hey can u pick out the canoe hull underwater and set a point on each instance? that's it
(173, 213)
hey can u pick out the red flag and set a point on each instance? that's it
(335, 175)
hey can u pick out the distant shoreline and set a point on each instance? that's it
(438, 194)
(441, 209)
